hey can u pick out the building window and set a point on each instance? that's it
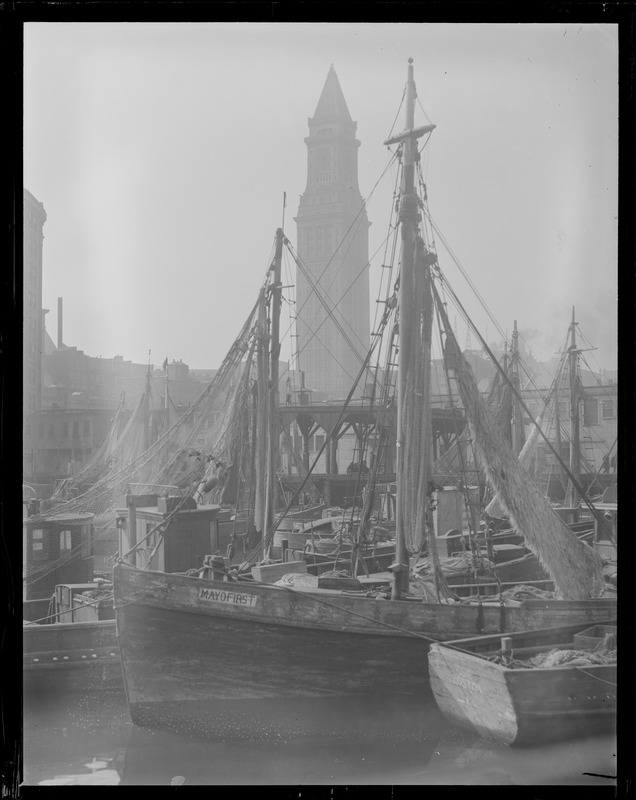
(608, 410)
(76, 429)
(151, 541)
(65, 430)
(40, 431)
(87, 541)
(51, 431)
(590, 412)
(87, 428)
(319, 440)
(65, 542)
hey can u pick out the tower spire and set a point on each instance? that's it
(332, 104)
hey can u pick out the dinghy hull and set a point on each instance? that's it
(522, 706)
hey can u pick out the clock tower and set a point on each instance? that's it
(332, 288)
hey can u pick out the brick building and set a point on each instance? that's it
(33, 313)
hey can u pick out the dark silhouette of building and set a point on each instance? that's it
(33, 319)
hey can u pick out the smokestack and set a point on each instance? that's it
(60, 344)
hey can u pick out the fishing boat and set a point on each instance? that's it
(69, 638)
(529, 687)
(211, 648)
(70, 656)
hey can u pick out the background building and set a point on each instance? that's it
(33, 313)
(69, 397)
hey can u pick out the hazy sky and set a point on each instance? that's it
(161, 153)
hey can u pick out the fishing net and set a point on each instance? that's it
(204, 448)
(575, 568)
(109, 451)
(572, 658)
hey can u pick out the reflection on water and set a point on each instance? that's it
(77, 740)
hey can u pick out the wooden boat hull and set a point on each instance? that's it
(217, 648)
(73, 656)
(522, 706)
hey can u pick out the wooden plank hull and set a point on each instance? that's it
(74, 656)
(522, 706)
(212, 646)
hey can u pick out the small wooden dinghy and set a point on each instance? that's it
(531, 686)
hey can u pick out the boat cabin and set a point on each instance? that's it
(56, 549)
(83, 602)
(171, 533)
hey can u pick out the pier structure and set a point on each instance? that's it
(366, 423)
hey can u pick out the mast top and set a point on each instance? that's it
(573, 331)
(410, 131)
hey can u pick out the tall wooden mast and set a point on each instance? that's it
(408, 219)
(262, 421)
(167, 401)
(557, 441)
(517, 417)
(575, 453)
(146, 411)
(274, 426)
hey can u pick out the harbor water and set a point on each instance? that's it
(73, 739)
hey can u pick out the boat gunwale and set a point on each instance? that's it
(385, 622)
(60, 626)
(464, 646)
(565, 668)
(536, 632)
(412, 601)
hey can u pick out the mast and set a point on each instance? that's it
(408, 219)
(575, 454)
(146, 414)
(262, 420)
(167, 401)
(557, 440)
(517, 418)
(505, 399)
(274, 427)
